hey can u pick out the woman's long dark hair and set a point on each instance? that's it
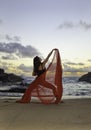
(36, 63)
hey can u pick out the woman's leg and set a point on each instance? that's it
(27, 95)
(38, 81)
(50, 86)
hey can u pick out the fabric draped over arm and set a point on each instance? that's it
(43, 87)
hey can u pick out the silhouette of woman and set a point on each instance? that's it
(39, 70)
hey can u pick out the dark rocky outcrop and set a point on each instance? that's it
(15, 90)
(9, 78)
(86, 77)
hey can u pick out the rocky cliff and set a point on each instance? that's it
(86, 77)
(9, 78)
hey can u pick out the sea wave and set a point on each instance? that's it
(71, 88)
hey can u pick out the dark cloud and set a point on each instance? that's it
(84, 25)
(25, 68)
(89, 60)
(18, 49)
(70, 25)
(72, 69)
(81, 64)
(69, 69)
(72, 63)
(66, 25)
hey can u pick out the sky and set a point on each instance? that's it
(34, 27)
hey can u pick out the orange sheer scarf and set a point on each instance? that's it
(48, 86)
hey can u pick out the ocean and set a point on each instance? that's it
(71, 89)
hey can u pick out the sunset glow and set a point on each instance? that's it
(34, 27)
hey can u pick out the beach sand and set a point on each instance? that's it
(72, 114)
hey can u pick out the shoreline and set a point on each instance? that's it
(63, 97)
(72, 114)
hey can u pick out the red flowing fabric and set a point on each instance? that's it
(48, 86)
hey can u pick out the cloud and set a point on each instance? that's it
(13, 38)
(66, 25)
(9, 38)
(69, 68)
(11, 68)
(89, 60)
(5, 65)
(70, 25)
(25, 68)
(9, 57)
(73, 69)
(72, 63)
(18, 49)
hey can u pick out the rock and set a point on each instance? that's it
(1, 70)
(86, 77)
(12, 78)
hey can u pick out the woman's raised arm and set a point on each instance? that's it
(45, 61)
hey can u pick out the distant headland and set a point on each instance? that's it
(86, 77)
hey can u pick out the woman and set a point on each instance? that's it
(38, 70)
